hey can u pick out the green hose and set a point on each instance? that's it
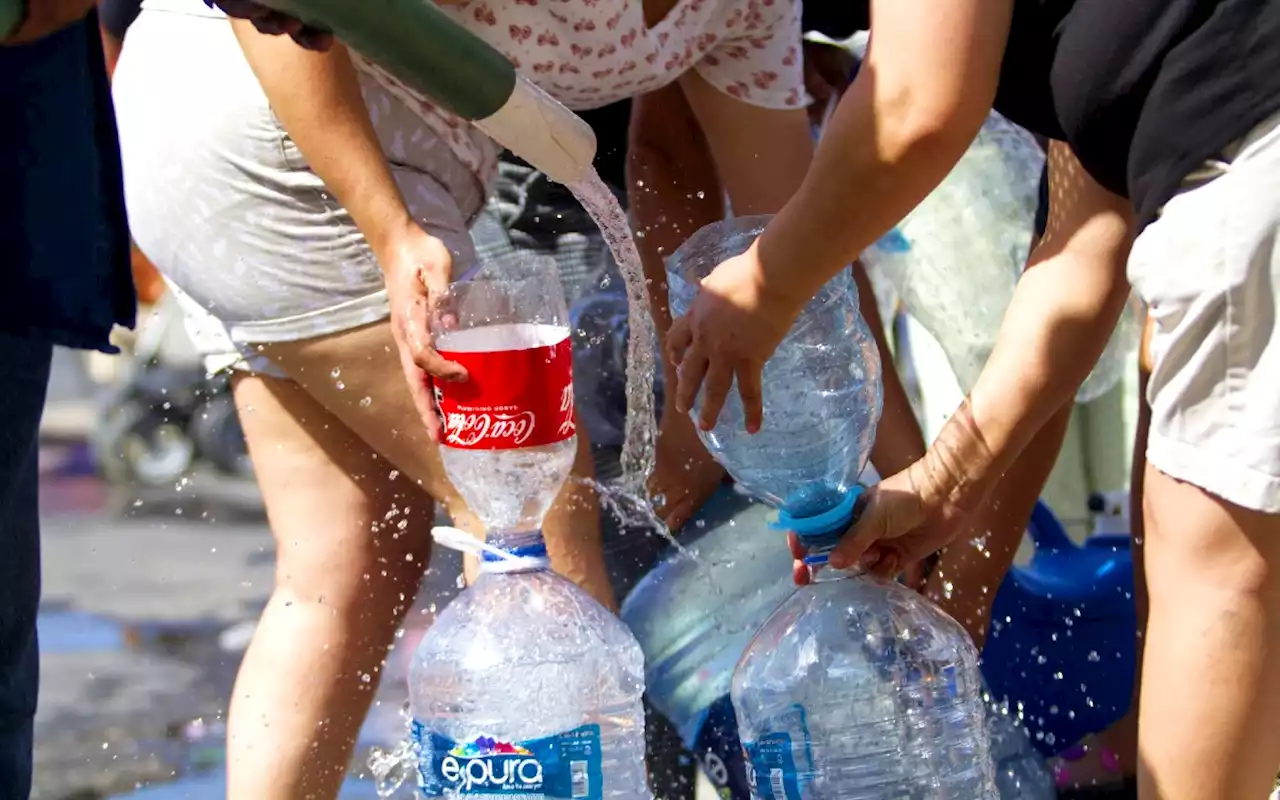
(432, 54)
(420, 45)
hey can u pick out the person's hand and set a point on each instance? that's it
(905, 519)
(418, 267)
(275, 23)
(733, 326)
(684, 474)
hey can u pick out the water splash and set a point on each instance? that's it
(638, 448)
(392, 768)
(632, 510)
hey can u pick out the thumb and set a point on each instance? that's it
(868, 528)
(893, 508)
(679, 337)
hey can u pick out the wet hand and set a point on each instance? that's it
(906, 518)
(418, 268)
(732, 328)
(275, 23)
(684, 474)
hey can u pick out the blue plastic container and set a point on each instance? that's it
(1061, 643)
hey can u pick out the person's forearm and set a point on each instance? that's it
(874, 164)
(672, 186)
(317, 97)
(1057, 325)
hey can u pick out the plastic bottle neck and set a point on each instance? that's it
(515, 552)
(820, 530)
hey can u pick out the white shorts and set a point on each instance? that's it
(224, 204)
(1209, 272)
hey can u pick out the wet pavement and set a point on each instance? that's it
(149, 601)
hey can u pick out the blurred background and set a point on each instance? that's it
(157, 560)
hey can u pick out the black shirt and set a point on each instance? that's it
(836, 19)
(118, 15)
(1144, 91)
(63, 233)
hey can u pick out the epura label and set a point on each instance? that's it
(771, 759)
(771, 769)
(562, 767)
(511, 398)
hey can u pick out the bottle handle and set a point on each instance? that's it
(1046, 530)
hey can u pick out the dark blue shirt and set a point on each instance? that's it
(64, 241)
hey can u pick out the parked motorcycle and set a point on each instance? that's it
(165, 418)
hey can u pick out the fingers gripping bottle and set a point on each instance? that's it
(525, 687)
(855, 688)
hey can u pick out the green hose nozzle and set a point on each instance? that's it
(419, 44)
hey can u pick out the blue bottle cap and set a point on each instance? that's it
(820, 530)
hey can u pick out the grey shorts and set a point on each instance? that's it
(222, 201)
(1209, 272)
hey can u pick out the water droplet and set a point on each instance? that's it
(365, 402)
(702, 195)
(337, 373)
(137, 503)
(1093, 656)
(395, 473)
(366, 677)
(340, 385)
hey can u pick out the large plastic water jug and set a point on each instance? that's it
(855, 687)
(1061, 647)
(695, 613)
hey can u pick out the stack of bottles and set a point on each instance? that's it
(525, 685)
(854, 687)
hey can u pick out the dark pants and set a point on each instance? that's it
(24, 376)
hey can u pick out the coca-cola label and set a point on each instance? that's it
(511, 398)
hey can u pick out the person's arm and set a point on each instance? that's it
(317, 97)
(763, 155)
(920, 97)
(1058, 323)
(318, 100)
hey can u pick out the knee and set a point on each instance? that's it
(376, 575)
(1196, 538)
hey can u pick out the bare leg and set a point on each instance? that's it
(1121, 739)
(1211, 669)
(370, 397)
(352, 543)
